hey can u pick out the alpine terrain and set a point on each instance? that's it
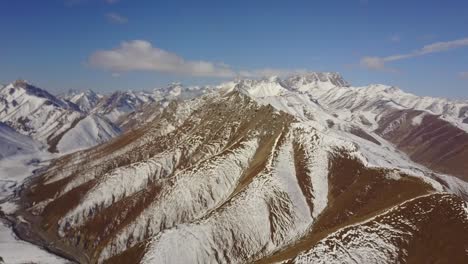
(301, 169)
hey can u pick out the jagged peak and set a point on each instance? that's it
(32, 90)
(272, 78)
(89, 92)
(75, 92)
(333, 78)
(21, 83)
(393, 89)
(276, 86)
(179, 90)
(175, 84)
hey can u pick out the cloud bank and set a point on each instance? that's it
(141, 55)
(378, 63)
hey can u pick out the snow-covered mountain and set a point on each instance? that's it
(85, 100)
(178, 91)
(119, 104)
(323, 80)
(88, 132)
(36, 113)
(299, 170)
(368, 99)
(81, 119)
(161, 99)
(432, 131)
(124, 108)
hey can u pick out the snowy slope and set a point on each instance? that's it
(88, 132)
(34, 112)
(85, 100)
(272, 86)
(14, 143)
(14, 170)
(371, 101)
(15, 251)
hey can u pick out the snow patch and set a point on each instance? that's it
(417, 120)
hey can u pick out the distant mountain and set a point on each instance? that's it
(321, 80)
(85, 100)
(179, 92)
(35, 112)
(161, 98)
(306, 169)
(118, 104)
(81, 119)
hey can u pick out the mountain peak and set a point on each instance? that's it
(272, 78)
(84, 99)
(329, 79)
(19, 87)
(21, 83)
(275, 86)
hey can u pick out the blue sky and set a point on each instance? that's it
(421, 46)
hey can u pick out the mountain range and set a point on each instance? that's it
(302, 169)
(76, 119)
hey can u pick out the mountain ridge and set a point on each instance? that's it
(273, 172)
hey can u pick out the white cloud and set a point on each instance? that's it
(116, 18)
(378, 63)
(140, 55)
(373, 63)
(464, 75)
(443, 46)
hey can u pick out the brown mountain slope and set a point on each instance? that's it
(433, 142)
